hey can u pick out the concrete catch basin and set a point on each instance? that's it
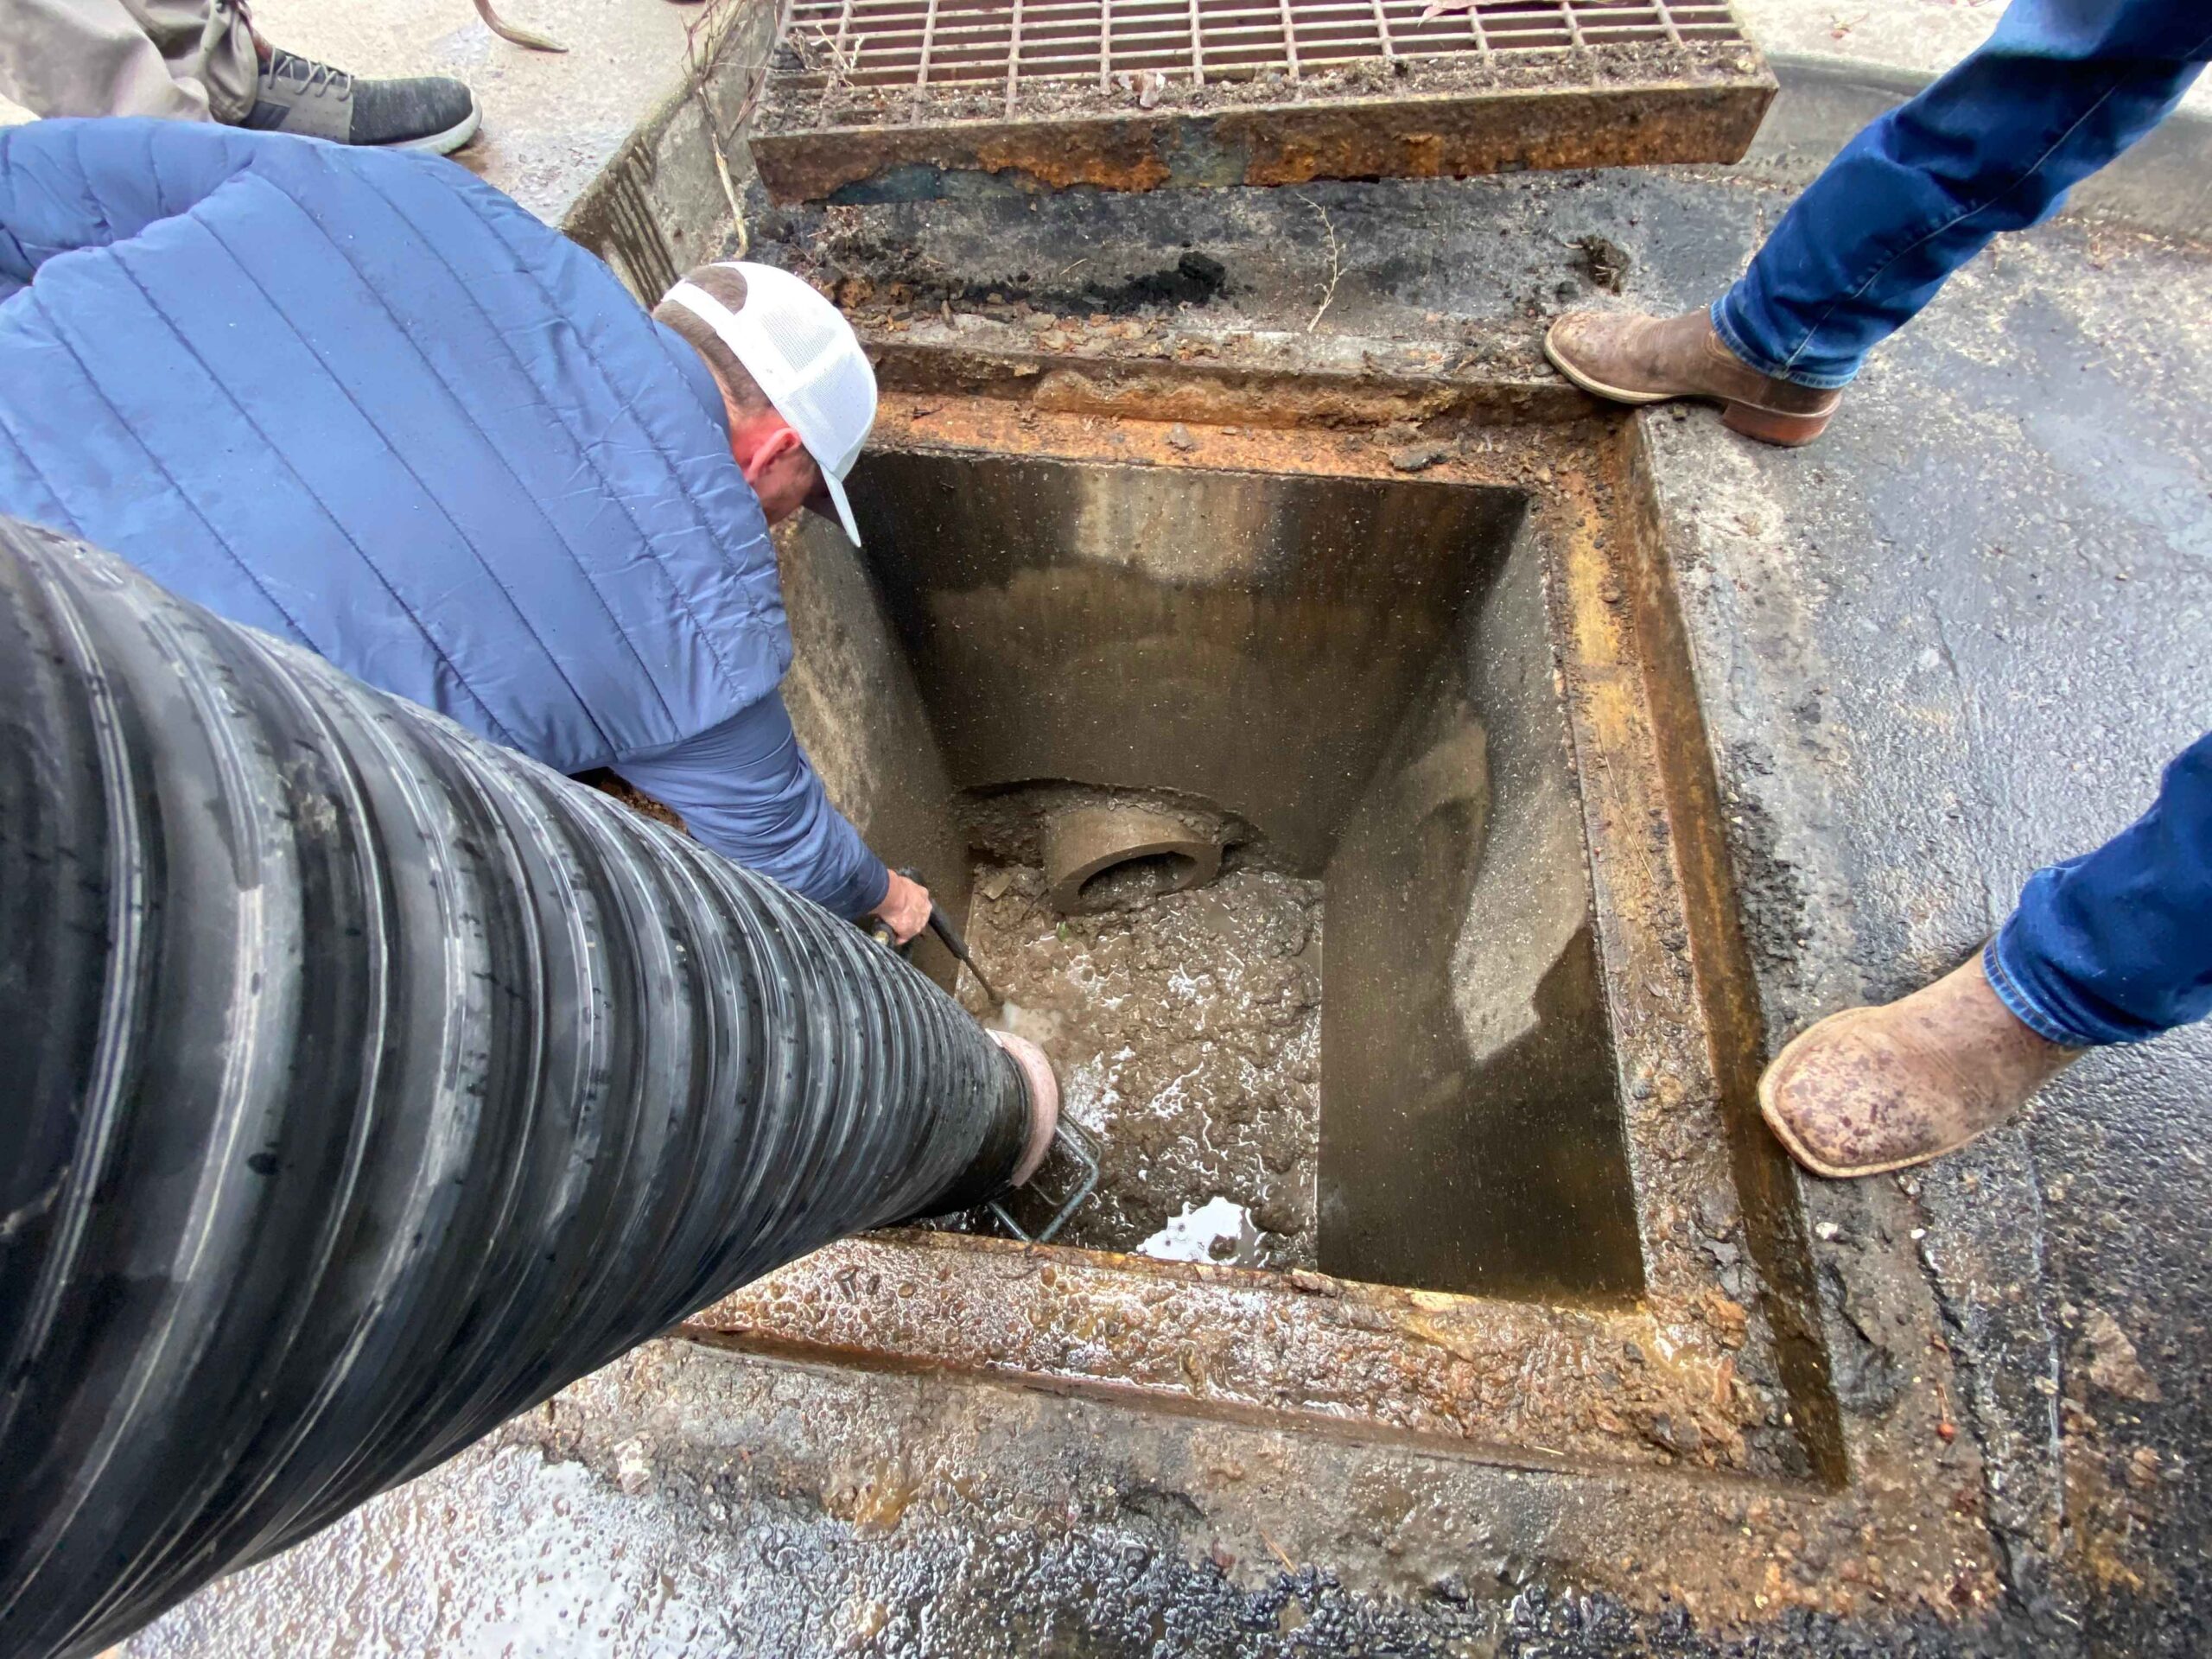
(1315, 768)
(1335, 695)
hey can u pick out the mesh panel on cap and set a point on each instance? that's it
(800, 331)
(794, 334)
(852, 384)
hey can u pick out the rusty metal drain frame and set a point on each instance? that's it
(1013, 1310)
(1610, 1410)
(876, 100)
(1887, 1508)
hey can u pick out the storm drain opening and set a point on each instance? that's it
(1107, 856)
(888, 100)
(1256, 795)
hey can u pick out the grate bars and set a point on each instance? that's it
(1020, 43)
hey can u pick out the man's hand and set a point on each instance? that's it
(905, 906)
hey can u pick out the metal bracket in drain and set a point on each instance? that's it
(1071, 1144)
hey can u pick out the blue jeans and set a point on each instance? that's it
(2061, 88)
(2117, 946)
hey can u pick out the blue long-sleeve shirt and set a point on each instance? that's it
(745, 789)
(360, 400)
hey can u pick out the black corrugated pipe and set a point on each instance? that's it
(367, 1083)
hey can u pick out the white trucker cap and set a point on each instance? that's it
(807, 361)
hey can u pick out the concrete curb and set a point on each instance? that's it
(2163, 184)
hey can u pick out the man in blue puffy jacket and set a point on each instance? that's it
(364, 402)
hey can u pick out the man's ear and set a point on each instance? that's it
(757, 455)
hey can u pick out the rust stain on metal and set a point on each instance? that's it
(891, 96)
(1352, 138)
(857, 131)
(1215, 402)
(1144, 389)
(1713, 940)
(1493, 1376)
(1522, 131)
(1109, 155)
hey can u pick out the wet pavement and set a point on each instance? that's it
(1976, 608)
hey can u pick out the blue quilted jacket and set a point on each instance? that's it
(364, 402)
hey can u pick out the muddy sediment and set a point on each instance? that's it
(1186, 1030)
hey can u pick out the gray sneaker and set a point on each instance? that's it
(297, 95)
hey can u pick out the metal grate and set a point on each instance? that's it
(880, 101)
(1021, 43)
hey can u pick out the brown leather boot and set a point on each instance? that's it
(1634, 358)
(1871, 1090)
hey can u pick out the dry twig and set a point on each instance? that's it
(1336, 264)
(844, 63)
(520, 36)
(703, 43)
(1288, 1566)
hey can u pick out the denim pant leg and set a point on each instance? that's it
(2061, 88)
(2117, 946)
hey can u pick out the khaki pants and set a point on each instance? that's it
(187, 60)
